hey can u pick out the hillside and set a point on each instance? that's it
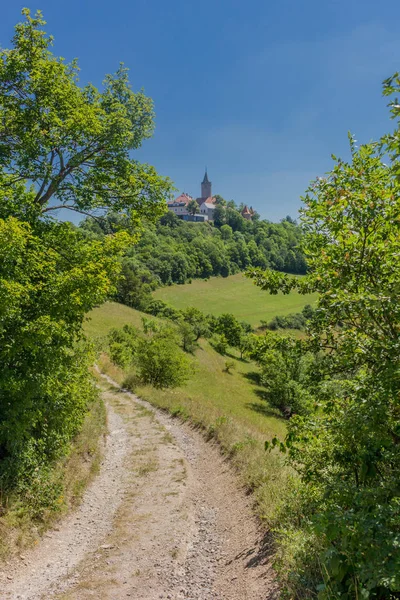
(210, 393)
(234, 294)
(172, 251)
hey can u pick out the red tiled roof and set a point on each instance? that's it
(185, 198)
(246, 211)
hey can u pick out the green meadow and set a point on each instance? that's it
(235, 294)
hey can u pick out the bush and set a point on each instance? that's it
(161, 363)
(286, 381)
(122, 345)
(229, 365)
(288, 371)
(220, 344)
(159, 308)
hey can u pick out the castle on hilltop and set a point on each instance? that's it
(206, 204)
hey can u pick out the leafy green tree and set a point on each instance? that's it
(60, 146)
(188, 337)
(197, 320)
(49, 280)
(170, 219)
(288, 371)
(162, 363)
(226, 232)
(193, 207)
(73, 143)
(229, 326)
(347, 453)
(123, 345)
(246, 344)
(219, 215)
(219, 343)
(234, 219)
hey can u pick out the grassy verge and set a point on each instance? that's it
(235, 294)
(229, 407)
(18, 530)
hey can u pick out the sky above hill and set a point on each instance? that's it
(261, 92)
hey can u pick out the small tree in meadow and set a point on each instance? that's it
(162, 363)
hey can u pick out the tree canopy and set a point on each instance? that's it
(73, 143)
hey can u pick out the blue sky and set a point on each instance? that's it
(260, 92)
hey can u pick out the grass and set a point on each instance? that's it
(109, 315)
(18, 530)
(235, 294)
(229, 407)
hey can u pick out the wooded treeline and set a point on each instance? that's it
(174, 251)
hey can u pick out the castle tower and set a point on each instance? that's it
(206, 187)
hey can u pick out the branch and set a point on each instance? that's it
(69, 207)
(45, 180)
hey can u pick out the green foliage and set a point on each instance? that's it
(60, 145)
(175, 251)
(228, 326)
(288, 372)
(161, 362)
(188, 336)
(48, 282)
(197, 320)
(347, 453)
(291, 321)
(122, 345)
(73, 143)
(219, 343)
(246, 344)
(193, 207)
(154, 355)
(229, 365)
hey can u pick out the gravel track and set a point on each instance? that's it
(165, 518)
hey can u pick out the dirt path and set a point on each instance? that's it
(165, 518)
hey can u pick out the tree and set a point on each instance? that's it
(73, 144)
(60, 145)
(188, 337)
(161, 362)
(219, 215)
(347, 453)
(246, 343)
(234, 219)
(49, 280)
(192, 207)
(197, 320)
(219, 200)
(226, 232)
(230, 327)
(170, 219)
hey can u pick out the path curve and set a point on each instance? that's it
(165, 518)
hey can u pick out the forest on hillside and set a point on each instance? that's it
(175, 251)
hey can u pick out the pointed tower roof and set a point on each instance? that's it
(205, 180)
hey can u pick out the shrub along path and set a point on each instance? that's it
(165, 518)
